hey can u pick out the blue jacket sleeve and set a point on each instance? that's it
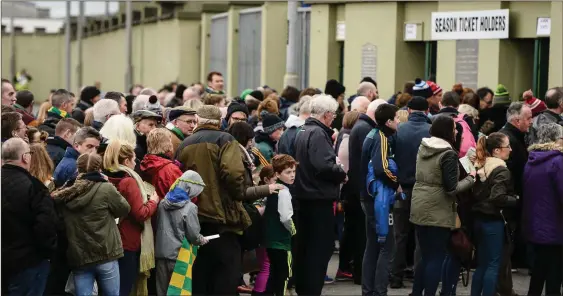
(380, 160)
(384, 199)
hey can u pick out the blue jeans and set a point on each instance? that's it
(31, 281)
(433, 242)
(105, 274)
(450, 275)
(490, 238)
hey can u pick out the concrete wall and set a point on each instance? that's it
(274, 32)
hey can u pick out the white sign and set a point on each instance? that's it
(544, 26)
(458, 25)
(410, 31)
(340, 31)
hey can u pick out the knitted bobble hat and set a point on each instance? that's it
(421, 89)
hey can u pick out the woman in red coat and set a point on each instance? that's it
(158, 168)
(136, 229)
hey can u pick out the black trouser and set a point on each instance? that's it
(315, 238)
(217, 267)
(547, 269)
(403, 228)
(353, 239)
(280, 271)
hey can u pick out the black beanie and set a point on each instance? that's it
(257, 95)
(89, 93)
(236, 107)
(370, 80)
(271, 123)
(180, 90)
(334, 88)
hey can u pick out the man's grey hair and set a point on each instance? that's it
(148, 91)
(60, 97)
(86, 132)
(105, 107)
(322, 104)
(304, 105)
(548, 133)
(365, 87)
(13, 149)
(514, 111)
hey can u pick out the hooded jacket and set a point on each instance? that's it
(318, 176)
(66, 169)
(434, 193)
(543, 195)
(216, 156)
(543, 118)
(286, 145)
(407, 141)
(266, 145)
(130, 227)
(378, 150)
(493, 189)
(89, 208)
(355, 144)
(160, 171)
(56, 147)
(29, 234)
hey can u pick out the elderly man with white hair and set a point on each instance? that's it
(360, 104)
(29, 236)
(317, 186)
(368, 90)
(103, 110)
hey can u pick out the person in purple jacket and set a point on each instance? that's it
(543, 209)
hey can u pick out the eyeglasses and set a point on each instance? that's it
(506, 147)
(190, 121)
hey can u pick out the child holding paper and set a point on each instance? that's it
(279, 227)
(177, 219)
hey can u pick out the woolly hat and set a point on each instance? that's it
(271, 123)
(502, 96)
(536, 105)
(179, 111)
(418, 104)
(236, 107)
(256, 94)
(89, 93)
(436, 89)
(153, 105)
(421, 89)
(334, 88)
(245, 92)
(209, 112)
(190, 182)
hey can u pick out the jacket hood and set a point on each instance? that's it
(263, 137)
(151, 163)
(540, 153)
(367, 119)
(170, 205)
(81, 193)
(315, 122)
(432, 146)
(294, 121)
(57, 141)
(491, 163)
(419, 117)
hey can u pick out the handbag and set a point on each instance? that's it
(462, 247)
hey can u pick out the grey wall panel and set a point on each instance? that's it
(304, 23)
(249, 53)
(218, 45)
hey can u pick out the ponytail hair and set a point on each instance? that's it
(116, 154)
(88, 163)
(486, 145)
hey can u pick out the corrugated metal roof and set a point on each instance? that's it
(29, 25)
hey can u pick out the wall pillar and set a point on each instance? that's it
(273, 47)
(190, 50)
(556, 45)
(323, 54)
(232, 51)
(205, 50)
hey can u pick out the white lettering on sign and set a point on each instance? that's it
(459, 25)
(544, 26)
(410, 31)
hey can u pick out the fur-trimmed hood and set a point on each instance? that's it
(491, 163)
(541, 153)
(545, 147)
(80, 193)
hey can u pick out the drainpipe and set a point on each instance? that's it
(291, 77)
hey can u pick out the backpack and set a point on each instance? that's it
(467, 138)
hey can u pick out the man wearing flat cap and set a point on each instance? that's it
(181, 123)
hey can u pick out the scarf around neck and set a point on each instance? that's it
(176, 131)
(61, 113)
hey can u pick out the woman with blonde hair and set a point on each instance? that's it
(89, 116)
(158, 166)
(89, 207)
(135, 229)
(42, 113)
(120, 127)
(42, 166)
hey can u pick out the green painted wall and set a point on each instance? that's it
(274, 44)
(205, 43)
(324, 55)
(556, 45)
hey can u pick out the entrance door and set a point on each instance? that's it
(430, 60)
(541, 67)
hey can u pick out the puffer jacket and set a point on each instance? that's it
(384, 198)
(66, 169)
(216, 156)
(543, 118)
(543, 195)
(89, 208)
(160, 171)
(493, 189)
(434, 194)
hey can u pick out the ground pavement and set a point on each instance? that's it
(521, 282)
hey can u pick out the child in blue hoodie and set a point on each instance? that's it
(177, 219)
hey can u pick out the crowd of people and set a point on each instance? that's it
(101, 191)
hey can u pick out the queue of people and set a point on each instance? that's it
(103, 191)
